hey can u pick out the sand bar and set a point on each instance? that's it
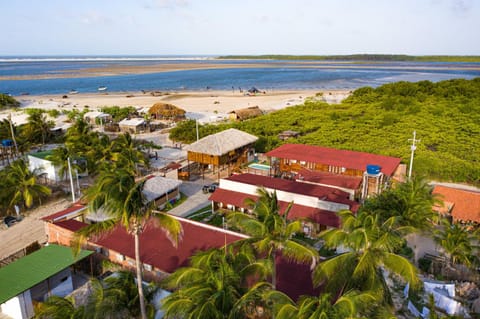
(122, 69)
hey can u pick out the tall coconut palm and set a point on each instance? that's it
(216, 285)
(122, 198)
(369, 247)
(271, 231)
(23, 187)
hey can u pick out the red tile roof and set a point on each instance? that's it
(157, 250)
(466, 204)
(335, 157)
(71, 224)
(344, 181)
(76, 207)
(319, 216)
(294, 279)
(293, 187)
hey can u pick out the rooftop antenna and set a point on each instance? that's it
(413, 148)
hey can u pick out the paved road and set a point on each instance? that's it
(29, 230)
(196, 198)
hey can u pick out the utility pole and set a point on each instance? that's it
(13, 135)
(413, 147)
(71, 179)
(196, 125)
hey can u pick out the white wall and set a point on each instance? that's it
(19, 307)
(43, 166)
(309, 201)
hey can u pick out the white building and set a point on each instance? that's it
(36, 277)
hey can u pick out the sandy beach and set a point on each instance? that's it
(198, 103)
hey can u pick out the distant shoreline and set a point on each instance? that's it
(119, 69)
(360, 58)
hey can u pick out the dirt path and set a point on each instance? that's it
(30, 229)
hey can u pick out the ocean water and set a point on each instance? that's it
(279, 75)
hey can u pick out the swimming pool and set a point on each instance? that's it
(261, 167)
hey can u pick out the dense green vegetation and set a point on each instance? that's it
(445, 115)
(360, 57)
(6, 101)
(118, 113)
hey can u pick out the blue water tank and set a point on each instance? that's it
(7, 143)
(373, 169)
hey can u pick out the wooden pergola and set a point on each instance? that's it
(228, 147)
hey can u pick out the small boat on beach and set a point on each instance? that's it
(102, 88)
(73, 92)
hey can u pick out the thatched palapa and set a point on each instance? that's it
(231, 146)
(165, 111)
(247, 113)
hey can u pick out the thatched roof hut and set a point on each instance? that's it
(165, 111)
(247, 113)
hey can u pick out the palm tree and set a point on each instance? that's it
(410, 203)
(457, 243)
(117, 297)
(60, 308)
(369, 246)
(216, 285)
(125, 153)
(22, 184)
(350, 305)
(121, 196)
(38, 128)
(270, 231)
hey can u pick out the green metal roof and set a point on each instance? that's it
(42, 154)
(32, 269)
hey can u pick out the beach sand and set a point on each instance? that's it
(199, 102)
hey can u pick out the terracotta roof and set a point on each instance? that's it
(157, 250)
(71, 224)
(335, 157)
(302, 283)
(344, 181)
(63, 214)
(317, 215)
(221, 143)
(466, 204)
(294, 187)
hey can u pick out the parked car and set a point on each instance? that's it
(210, 188)
(10, 221)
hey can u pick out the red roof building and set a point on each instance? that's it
(374, 170)
(463, 205)
(160, 257)
(315, 203)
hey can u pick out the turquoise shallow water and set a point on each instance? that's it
(277, 76)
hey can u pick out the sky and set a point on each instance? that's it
(223, 27)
